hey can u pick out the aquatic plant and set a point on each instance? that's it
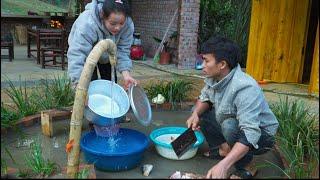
(37, 163)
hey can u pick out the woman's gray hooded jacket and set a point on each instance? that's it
(87, 30)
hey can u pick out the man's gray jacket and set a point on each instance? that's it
(239, 96)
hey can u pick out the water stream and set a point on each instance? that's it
(112, 141)
(107, 106)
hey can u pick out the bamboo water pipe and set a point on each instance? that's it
(73, 146)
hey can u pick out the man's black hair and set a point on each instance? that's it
(113, 6)
(222, 49)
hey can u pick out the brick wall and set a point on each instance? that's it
(151, 18)
(188, 29)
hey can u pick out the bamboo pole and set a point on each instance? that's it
(79, 101)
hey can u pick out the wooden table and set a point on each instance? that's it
(40, 35)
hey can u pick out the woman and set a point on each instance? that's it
(102, 20)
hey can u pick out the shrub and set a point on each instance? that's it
(228, 18)
(298, 137)
(49, 94)
(174, 91)
(8, 117)
(23, 100)
(55, 94)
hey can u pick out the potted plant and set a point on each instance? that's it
(168, 48)
(165, 56)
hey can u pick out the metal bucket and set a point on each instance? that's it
(100, 103)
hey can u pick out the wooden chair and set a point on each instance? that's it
(7, 43)
(57, 47)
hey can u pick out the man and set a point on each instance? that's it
(231, 111)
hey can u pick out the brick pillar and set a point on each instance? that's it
(188, 29)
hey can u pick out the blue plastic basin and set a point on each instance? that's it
(121, 152)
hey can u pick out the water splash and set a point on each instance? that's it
(107, 131)
(109, 144)
(108, 134)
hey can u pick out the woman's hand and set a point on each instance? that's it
(193, 121)
(128, 80)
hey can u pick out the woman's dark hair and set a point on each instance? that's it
(222, 49)
(114, 6)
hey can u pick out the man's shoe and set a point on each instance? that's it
(213, 154)
(245, 173)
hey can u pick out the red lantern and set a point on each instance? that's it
(136, 52)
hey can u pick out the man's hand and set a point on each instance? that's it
(128, 80)
(219, 171)
(193, 121)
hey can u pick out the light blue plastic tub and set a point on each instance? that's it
(162, 138)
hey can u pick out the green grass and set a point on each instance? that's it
(297, 137)
(21, 7)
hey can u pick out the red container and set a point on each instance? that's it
(136, 52)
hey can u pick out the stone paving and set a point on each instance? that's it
(28, 70)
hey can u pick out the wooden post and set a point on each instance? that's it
(46, 123)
